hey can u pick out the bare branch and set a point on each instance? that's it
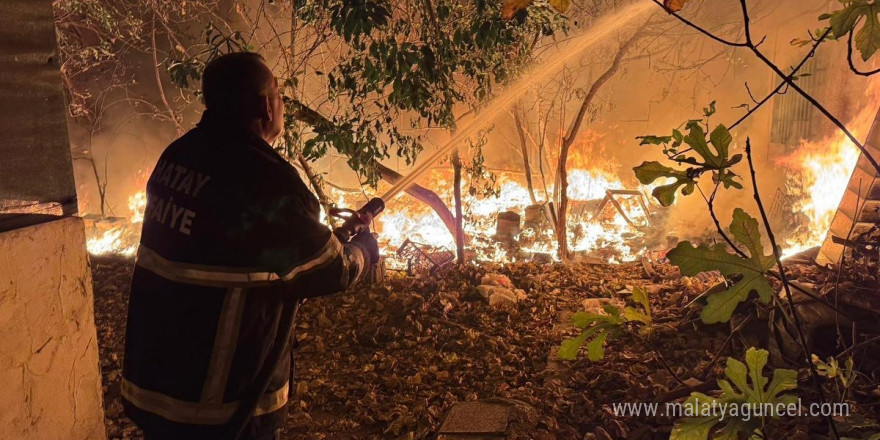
(700, 29)
(785, 284)
(158, 77)
(779, 88)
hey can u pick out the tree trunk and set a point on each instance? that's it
(525, 153)
(568, 140)
(459, 219)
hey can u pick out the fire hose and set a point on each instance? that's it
(354, 222)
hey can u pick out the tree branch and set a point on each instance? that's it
(158, 77)
(568, 141)
(784, 278)
(307, 115)
(785, 80)
(520, 130)
(710, 202)
(698, 28)
(459, 215)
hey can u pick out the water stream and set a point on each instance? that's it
(548, 66)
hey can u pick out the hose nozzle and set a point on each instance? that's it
(358, 221)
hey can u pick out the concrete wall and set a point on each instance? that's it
(50, 383)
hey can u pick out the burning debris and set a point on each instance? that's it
(510, 227)
(819, 172)
(507, 226)
(628, 195)
(423, 259)
(117, 235)
(607, 222)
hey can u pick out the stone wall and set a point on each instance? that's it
(50, 383)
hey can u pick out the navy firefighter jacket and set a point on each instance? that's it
(230, 231)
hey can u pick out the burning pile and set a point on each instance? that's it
(406, 219)
(818, 176)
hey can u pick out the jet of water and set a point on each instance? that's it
(549, 66)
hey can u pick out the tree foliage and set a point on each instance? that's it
(857, 13)
(596, 328)
(693, 155)
(411, 66)
(100, 40)
(394, 69)
(511, 8)
(674, 5)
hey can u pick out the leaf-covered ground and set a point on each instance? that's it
(389, 361)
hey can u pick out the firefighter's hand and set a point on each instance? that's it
(367, 243)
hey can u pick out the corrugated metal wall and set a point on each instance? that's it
(36, 174)
(793, 116)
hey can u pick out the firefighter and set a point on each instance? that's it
(231, 234)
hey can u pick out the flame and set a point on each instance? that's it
(137, 203)
(825, 177)
(511, 196)
(405, 218)
(120, 236)
(111, 242)
(590, 184)
(821, 173)
(419, 225)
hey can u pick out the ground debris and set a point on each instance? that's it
(424, 344)
(388, 362)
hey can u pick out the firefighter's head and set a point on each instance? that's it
(239, 88)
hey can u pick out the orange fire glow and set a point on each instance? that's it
(120, 236)
(823, 169)
(406, 218)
